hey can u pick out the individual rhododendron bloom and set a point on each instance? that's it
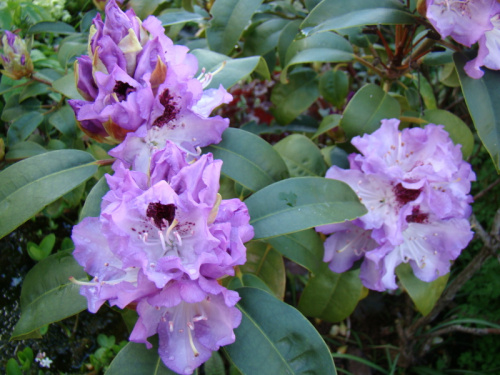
(415, 187)
(15, 57)
(489, 51)
(464, 20)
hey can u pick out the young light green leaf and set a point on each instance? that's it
(266, 263)
(329, 122)
(365, 110)
(482, 97)
(304, 248)
(331, 296)
(229, 19)
(248, 159)
(336, 15)
(424, 295)
(48, 296)
(301, 155)
(277, 336)
(301, 203)
(29, 185)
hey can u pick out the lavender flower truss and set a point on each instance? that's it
(468, 22)
(415, 186)
(136, 78)
(161, 242)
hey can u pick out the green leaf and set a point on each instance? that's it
(13, 368)
(144, 8)
(23, 150)
(66, 85)
(336, 15)
(23, 126)
(215, 365)
(229, 71)
(482, 97)
(71, 47)
(248, 159)
(296, 96)
(323, 47)
(426, 91)
(33, 89)
(92, 206)
(264, 37)
(29, 185)
(329, 122)
(38, 253)
(51, 27)
(304, 248)
(136, 359)
(229, 19)
(14, 108)
(286, 38)
(331, 296)
(64, 120)
(278, 338)
(366, 109)
(301, 155)
(266, 263)
(334, 87)
(177, 16)
(458, 130)
(424, 295)
(48, 296)
(301, 203)
(248, 279)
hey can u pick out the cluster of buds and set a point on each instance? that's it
(15, 58)
(414, 184)
(164, 236)
(468, 22)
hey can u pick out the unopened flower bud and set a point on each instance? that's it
(15, 58)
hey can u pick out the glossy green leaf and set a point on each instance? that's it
(426, 91)
(296, 96)
(229, 71)
(66, 86)
(23, 126)
(248, 159)
(248, 279)
(229, 19)
(92, 206)
(29, 185)
(33, 89)
(14, 108)
(301, 155)
(266, 263)
(482, 97)
(301, 203)
(365, 110)
(336, 15)
(48, 296)
(64, 120)
(264, 37)
(424, 295)
(23, 150)
(51, 27)
(177, 16)
(458, 130)
(304, 248)
(323, 47)
(331, 296)
(136, 359)
(329, 122)
(274, 338)
(334, 87)
(286, 38)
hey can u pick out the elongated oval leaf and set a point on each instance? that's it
(51, 27)
(424, 295)
(336, 15)
(136, 359)
(365, 110)
(229, 19)
(301, 203)
(23, 126)
(248, 159)
(304, 248)
(92, 206)
(29, 185)
(176, 16)
(324, 47)
(48, 296)
(482, 97)
(274, 338)
(301, 155)
(331, 296)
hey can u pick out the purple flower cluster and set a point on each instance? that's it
(468, 22)
(164, 236)
(415, 186)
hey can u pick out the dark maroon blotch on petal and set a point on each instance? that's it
(160, 213)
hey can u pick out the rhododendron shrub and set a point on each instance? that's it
(243, 187)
